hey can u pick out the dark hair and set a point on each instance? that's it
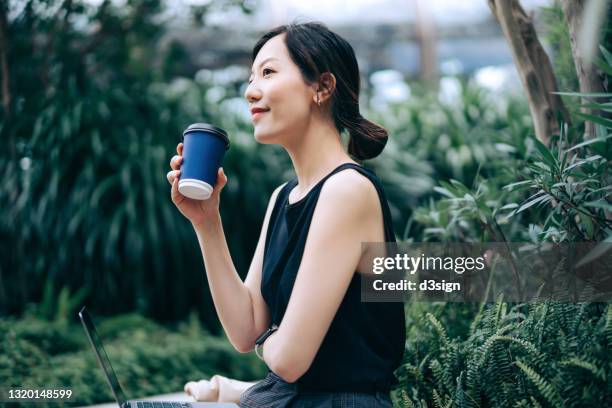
(315, 49)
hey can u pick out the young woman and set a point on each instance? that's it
(323, 346)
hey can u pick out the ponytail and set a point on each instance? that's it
(367, 139)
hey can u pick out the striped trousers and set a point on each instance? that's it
(274, 392)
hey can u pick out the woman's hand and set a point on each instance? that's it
(196, 211)
(217, 389)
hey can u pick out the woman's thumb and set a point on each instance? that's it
(221, 179)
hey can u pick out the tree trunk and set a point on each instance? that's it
(426, 38)
(588, 78)
(533, 66)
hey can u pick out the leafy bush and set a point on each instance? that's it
(514, 355)
(477, 137)
(530, 354)
(85, 202)
(148, 359)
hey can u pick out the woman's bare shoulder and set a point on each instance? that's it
(351, 188)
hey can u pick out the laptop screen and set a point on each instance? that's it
(105, 363)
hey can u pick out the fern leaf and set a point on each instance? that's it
(437, 399)
(444, 381)
(405, 401)
(435, 323)
(522, 404)
(585, 365)
(535, 403)
(608, 327)
(546, 389)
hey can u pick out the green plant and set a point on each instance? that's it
(148, 358)
(556, 36)
(547, 354)
(91, 124)
(542, 353)
(476, 141)
(573, 177)
(58, 306)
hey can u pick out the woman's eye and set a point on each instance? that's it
(264, 74)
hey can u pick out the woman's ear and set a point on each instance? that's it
(327, 85)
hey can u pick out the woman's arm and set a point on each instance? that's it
(348, 213)
(240, 306)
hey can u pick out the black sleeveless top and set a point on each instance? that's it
(365, 341)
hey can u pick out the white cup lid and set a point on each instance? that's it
(196, 189)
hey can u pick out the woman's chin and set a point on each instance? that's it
(263, 138)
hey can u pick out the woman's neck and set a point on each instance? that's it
(319, 152)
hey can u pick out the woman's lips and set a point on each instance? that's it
(258, 114)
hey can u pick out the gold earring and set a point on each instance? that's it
(318, 100)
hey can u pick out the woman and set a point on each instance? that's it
(329, 347)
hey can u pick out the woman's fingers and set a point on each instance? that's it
(175, 195)
(223, 177)
(172, 175)
(175, 162)
(221, 181)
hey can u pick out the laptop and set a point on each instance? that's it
(109, 373)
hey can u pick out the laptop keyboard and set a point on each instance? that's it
(155, 404)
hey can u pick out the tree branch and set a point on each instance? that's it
(588, 78)
(533, 65)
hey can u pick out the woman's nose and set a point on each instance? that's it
(252, 93)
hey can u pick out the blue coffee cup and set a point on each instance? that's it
(204, 146)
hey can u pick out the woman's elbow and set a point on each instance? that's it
(289, 375)
(290, 371)
(243, 347)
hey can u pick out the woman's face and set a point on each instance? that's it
(276, 85)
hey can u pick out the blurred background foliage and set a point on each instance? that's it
(95, 122)
(96, 110)
(148, 358)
